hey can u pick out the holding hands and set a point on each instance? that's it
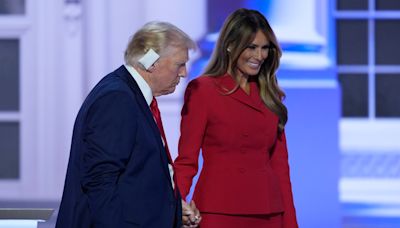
(190, 215)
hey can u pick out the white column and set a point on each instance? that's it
(71, 86)
(96, 38)
(285, 15)
(48, 54)
(59, 89)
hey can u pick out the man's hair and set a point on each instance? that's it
(158, 36)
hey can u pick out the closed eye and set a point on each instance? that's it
(267, 47)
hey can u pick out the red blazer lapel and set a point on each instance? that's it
(226, 84)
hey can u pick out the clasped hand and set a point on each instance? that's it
(190, 215)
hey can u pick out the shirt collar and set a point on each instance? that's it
(143, 86)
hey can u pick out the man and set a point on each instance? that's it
(119, 167)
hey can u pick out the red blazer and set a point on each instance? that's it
(245, 169)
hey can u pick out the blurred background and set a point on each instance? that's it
(340, 70)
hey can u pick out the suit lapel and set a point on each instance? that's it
(226, 83)
(125, 75)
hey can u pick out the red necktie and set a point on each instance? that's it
(157, 116)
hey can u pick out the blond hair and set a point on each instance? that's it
(158, 36)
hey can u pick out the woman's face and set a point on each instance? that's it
(251, 59)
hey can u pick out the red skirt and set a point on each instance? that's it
(213, 220)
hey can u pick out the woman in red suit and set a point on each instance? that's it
(235, 115)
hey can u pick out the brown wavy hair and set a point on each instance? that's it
(238, 31)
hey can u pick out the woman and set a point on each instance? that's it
(235, 115)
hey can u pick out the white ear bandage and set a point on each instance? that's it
(149, 58)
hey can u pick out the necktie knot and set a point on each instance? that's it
(153, 103)
(156, 112)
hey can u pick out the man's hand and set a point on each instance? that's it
(190, 215)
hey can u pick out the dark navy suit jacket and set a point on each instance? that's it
(118, 168)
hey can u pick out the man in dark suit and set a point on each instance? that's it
(120, 170)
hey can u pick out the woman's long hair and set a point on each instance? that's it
(237, 33)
